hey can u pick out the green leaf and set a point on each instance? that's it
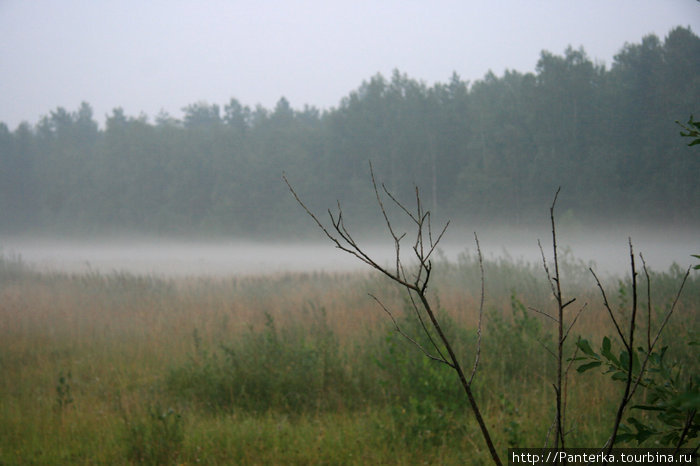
(636, 365)
(648, 408)
(655, 359)
(670, 438)
(606, 351)
(625, 360)
(643, 431)
(585, 346)
(584, 367)
(687, 401)
(579, 358)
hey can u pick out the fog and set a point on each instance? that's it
(541, 97)
(606, 251)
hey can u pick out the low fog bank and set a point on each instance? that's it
(605, 249)
(174, 258)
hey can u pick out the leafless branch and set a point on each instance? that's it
(566, 376)
(415, 284)
(610, 312)
(481, 310)
(546, 349)
(546, 269)
(563, 306)
(646, 275)
(574, 321)
(407, 337)
(686, 427)
(670, 311)
(533, 309)
(658, 335)
(400, 205)
(549, 431)
(555, 282)
(626, 396)
(427, 332)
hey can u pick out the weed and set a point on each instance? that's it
(156, 438)
(291, 370)
(366, 395)
(64, 396)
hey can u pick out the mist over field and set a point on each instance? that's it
(606, 250)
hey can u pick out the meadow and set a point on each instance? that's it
(298, 368)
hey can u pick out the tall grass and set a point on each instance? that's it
(286, 368)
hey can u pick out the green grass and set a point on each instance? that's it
(290, 368)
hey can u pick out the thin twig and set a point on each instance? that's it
(424, 327)
(397, 240)
(610, 312)
(549, 432)
(626, 396)
(566, 378)
(539, 342)
(575, 319)
(403, 334)
(658, 334)
(646, 274)
(560, 328)
(481, 310)
(546, 269)
(542, 312)
(673, 307)
(400, 205)
(686, 427)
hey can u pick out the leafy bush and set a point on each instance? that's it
(424, 398)
(672, 392)
(293, 370)
(516, 345)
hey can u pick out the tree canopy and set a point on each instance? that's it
(489, 151)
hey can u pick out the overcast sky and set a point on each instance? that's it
(147, 56)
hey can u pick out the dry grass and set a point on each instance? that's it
(118, 336)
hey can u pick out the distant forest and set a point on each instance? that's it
(491, 151)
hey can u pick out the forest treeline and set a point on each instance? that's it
(492, 151)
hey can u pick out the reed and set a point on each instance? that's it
(282, 369)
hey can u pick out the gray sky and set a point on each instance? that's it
(145, 56)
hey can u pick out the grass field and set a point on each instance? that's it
(298, 368)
